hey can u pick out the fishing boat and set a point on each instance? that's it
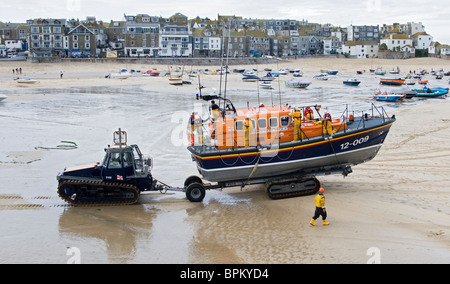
(176, 80)
(408, 93)
(423, 82)
(323, 76)
(395, 71)
(431, 92)
(268, 77)
(392, 82)
(380, 71)
(151, 73)
(385, 97)
(359, 72)
(297, 83)
(120, 75)
(280, 146)
(410, 82)
(332, 72)
(250, 78)
(352, 82)
(266, 84)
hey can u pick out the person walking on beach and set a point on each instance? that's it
(61, 74)
(320, 208)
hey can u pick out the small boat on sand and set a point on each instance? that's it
(250, 78)
(297, 83)
(392, 82)
(431, 92)
(385, 97)
(266, 84)
(26, 81)
(352, 82)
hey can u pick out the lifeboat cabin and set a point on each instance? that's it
(263, 125)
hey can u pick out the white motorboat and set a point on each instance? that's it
(27, 81)
(298, 83)
(121, 75)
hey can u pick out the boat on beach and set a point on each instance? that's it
(323, 76)
(392, 82)
(408, 93)
(297, 83)
(431, 92)
(268, 77)
(380, 71)
(26, 81)
(250, 78)
(176, 81)
(385, 97)
(352, 82)
(332, 72)
(151, 73)
(266, 84)
(119, 75)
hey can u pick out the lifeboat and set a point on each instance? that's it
(281, 145)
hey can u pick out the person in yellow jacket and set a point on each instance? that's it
(320, 208)
(247, 128)
(297, 124)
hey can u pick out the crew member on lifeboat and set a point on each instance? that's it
(327, 127)
(296, 123)
(308, 113)
(247, 129)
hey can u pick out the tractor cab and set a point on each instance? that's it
(124, 163)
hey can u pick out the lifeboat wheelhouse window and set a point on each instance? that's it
(273, 122)
(284, 120)
(262, 123)
(239, 125)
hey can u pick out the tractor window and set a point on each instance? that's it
(127, 160)
(115, 161)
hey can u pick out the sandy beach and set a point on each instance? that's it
(393, 209)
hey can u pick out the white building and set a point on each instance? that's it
(396, 42)
(14, 44)
(422, 40)
(361, 49)
(214, 44)
(445, 49)
(175, 41)
(331, 45)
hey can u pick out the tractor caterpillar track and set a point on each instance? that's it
(292, 187)
(97, 193)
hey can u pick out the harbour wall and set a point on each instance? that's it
(162, 61)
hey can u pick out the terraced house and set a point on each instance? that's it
(141, 35)
(80, 42)
(46, 37)
(176, 37)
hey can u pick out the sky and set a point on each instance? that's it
(434, 15)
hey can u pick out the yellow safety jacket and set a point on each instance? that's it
(320, 201)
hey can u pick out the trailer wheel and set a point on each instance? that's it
(195, 192)
(192, 179)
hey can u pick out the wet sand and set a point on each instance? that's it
(393, 209)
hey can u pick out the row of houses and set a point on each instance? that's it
(143, 35)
